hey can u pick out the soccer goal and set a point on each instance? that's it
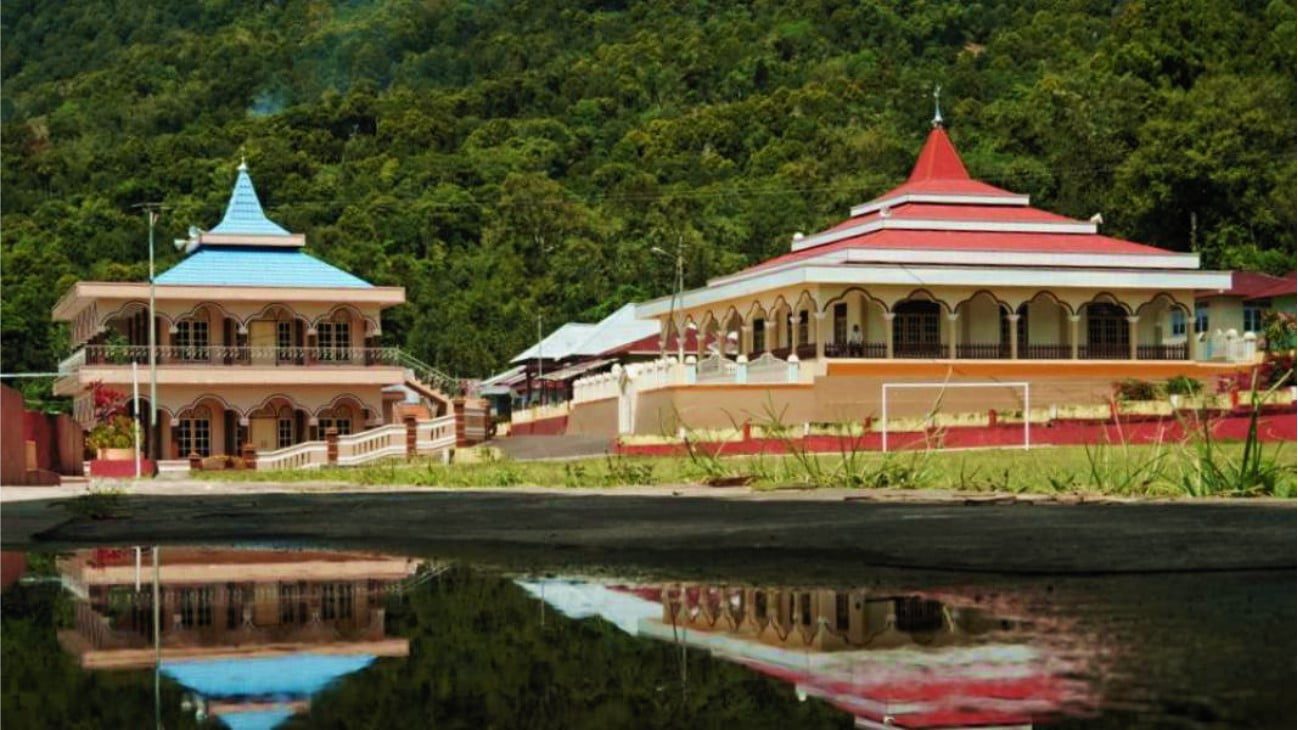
(1025, 387)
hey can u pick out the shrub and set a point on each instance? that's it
(1183, 385)
(1132, 389)
(117, 433)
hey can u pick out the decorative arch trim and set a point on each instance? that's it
(922, 295)
(177, 413)
(857, 290)
(1112, 298)
(1004, 305)
(1068, 309)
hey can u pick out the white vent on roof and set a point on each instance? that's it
(798, 236)
(1097, 219)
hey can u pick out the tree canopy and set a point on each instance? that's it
(504, 160)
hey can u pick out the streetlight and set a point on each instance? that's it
(678, 292)
(152, 210)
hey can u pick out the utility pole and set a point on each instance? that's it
(153, 211)
(540, 361)
(678, 292)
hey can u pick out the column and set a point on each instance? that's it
(1132, 335)
(953, 330)
(745, 339)
(820, 334)
(888, 317)
(1073, 319)
(1013, 319)
(1191, 340)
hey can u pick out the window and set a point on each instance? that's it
(841, 618)
(334, 340)
(1178, 323)
(1253, 315)
(284, 340)
(804, 331)
(336, 600)
(284, 428)
(1201, 317)
(339, 418)
(759, 335)
(804, 608)
(196, 607)
(194, 433)
(759, 605)
(292, 603)
(191, 339)
(915, 330)
(1106, 325)
(840, 322)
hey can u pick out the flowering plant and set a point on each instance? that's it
(114, 428)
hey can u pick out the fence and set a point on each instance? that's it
(385, 442)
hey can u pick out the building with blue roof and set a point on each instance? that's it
(260, 347)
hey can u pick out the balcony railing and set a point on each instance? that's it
(1162, 352)
(920, 350)
(1107, 351)
(982, 351)
(877, 350)
(227, 355)
(1045, 352)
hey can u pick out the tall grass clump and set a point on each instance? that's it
(1213, 471)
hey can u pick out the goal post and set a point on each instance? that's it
(939, 385)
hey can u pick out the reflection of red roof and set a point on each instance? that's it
(927, 224)
(1256, 285)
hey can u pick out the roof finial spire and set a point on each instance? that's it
(243, 157)
(937, 105)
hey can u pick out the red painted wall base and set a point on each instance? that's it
(121, 468)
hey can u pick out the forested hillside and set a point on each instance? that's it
(508, 158)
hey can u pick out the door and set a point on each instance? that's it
(264, 434)
(261, 338)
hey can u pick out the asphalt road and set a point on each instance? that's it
(724, 534)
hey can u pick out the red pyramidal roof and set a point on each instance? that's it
(940, 207)
(938, 160)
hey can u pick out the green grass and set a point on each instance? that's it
(1117, 470)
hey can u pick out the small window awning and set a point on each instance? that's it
(573, 371)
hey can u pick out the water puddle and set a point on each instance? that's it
(264, 637)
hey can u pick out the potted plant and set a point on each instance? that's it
(114, 439)
(114, 436)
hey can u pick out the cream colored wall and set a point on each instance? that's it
(1226, 313)
(980, 321)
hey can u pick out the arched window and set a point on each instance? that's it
(191, 338)
(284, 427)
(338, 417)
(194, 432)
(334, 337)
(916, 331)
(1107, 334)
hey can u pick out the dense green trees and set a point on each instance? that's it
(507, 159)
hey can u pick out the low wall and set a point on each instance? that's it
(1272, 427)
(57, 441)
(543, 427)
(722, 406)
(596, 418)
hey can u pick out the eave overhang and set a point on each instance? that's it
(84, 292)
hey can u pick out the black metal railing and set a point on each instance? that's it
(1045, 352)
(1162, 352)
(920, 350)
(1104, 351)
(982, 351)
(806, 351)
(877, 350)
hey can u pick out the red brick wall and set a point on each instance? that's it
(13, 459)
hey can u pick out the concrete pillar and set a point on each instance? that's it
(741, 369)
(1013, 319)
(820, 334)
(888, 317)
(412, 437)
(1133, 335)
(953, 328)
(1073, 320)
(331, 446)
(249, 455)
(1191, 342)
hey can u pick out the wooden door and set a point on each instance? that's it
(261, 338)
(264, 433)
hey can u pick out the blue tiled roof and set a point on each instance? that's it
(243, 214)
(248, 266)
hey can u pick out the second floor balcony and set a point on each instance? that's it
(221, 355)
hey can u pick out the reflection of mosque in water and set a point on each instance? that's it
(827, 620)
(889, 660)
(254, 633)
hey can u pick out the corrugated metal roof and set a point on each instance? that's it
(243, 214)
(559, 344)
(246, 266)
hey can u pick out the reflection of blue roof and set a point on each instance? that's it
(259, 720)
(243, 214)
(283, 677)
(249, 266)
